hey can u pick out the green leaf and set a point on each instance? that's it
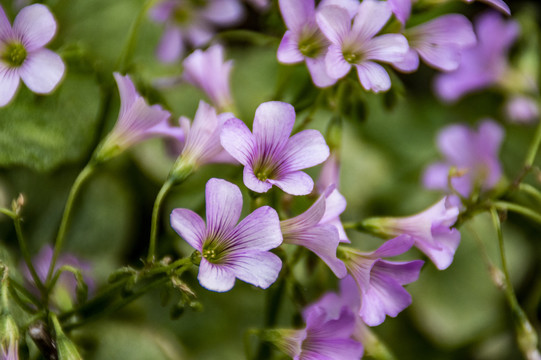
(43, 132)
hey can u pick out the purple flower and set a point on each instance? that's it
(137, 121)
(484, 64)
(522, 109)
(497, 4)
(431, 230)
(438, 42)
(22, 52)
(270, 157)
(65, 291)
(473, 155)
(229, 250)
(355, 44)
(324, 337)
(310, 231)
(193, 22)
(335, 203)
(303, 41)
(203, 137)
(380, 282)
(208, 71)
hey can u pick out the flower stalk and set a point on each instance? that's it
(66, 218)
(526, 335)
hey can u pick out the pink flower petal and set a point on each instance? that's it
(259, 231)
(498, 4)
(384, 297)
(394, 247)
(9, 82)
(171, 47)
(401, 9)
(337, 67)
(35, 26)
(373, 76)
(252, 182)
(215, 277)
(447, 241)
(306, 220)
(387, 48)
(238, 141)
(334, 22)
(445, 58)
(350, 5)
(404, 272)
(257, 268)
(199, 34)
(296, 13)
(305, 149)
(224, 205)
(456, 144)
(127, 91)
(288, 51)
(323, 241)
(189, 226)
(318, 71)
(294, 183)
(42, 71)
(370, 19)
(224, 12)
(436, 175)
(5, 26)
(273, 122)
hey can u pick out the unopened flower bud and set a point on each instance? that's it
(66, 348)
(9, 337)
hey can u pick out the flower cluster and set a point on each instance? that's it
(292, 235)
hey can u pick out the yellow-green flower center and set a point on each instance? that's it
(311, 43)
(14, 54)
(351, 57)
(210, 254)
(181, 15)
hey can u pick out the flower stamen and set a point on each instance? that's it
(14, 54)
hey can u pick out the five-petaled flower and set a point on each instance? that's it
(472, 154)
(356, 44)
(22, 52)
(229, 250)
(270, 157)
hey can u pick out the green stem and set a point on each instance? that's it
(110, 307)
(8, 212)
(66, 217)
(26, 254)
(155, 217)
(526, 335)
(22, 304)
(530, 190)
(534, 147)
(129, 48)
(504, 205)
(21, 289)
